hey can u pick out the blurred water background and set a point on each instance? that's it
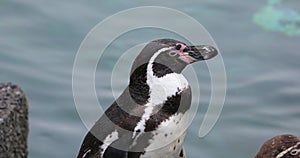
(39, 40)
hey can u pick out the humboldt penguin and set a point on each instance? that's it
(149, 118)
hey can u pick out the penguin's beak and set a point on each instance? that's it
(190, 54)
(201, 52)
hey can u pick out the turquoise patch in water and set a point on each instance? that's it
(273, 1)
(278, 18)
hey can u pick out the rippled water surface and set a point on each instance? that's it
(39, 40)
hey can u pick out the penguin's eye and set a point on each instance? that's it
(295, 152)
(178, 46)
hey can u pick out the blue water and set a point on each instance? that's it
(39, 40)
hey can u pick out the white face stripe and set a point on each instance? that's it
(287, 150)
(152, 59)
(160, 89)
(108, 140)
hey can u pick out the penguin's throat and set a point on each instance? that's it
(161, 88)
(153, 82)
(145, 87)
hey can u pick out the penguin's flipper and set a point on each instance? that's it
(111, 152)
(91, 146)
(109, 126)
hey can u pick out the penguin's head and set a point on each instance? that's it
(282, 146)
(168, 55)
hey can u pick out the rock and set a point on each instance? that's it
(13, 122)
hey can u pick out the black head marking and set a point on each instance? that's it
(150, 49)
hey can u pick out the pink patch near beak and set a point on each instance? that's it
(184, 56)
(182, 47)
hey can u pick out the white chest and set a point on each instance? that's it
(168, 138)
